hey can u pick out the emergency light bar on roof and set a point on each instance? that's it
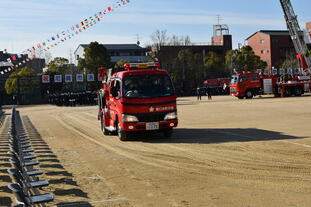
(130, 66)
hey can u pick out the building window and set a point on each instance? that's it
(262, 41)
(263, 51)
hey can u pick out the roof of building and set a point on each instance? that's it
(116, 46)
(5, 64)
(272, 33)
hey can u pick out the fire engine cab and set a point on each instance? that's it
(141, 97)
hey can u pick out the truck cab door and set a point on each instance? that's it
(114, 99)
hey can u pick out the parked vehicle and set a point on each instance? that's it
(248, 85)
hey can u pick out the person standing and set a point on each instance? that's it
(209, 93)
(198, 93)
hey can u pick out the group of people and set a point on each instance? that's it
(203, 91)
(73, 99)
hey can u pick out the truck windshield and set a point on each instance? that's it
(147, 86)
(234, 79)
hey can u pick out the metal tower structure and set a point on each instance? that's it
(296, 35)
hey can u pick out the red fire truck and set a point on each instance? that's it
(251, 84)
(248, 85)
(139, 98)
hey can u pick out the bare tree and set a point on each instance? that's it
(187, 40)
(174, 40)
(159, 38)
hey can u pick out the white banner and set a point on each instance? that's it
(45, 79)
(79, 77)
(58, 78)
(90, 77)
(68, 78)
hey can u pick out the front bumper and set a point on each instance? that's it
(141, 126)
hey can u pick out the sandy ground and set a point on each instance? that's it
(225, 152)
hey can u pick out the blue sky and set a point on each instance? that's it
(25, 23)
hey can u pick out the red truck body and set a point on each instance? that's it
(138, 99)
(248, 85)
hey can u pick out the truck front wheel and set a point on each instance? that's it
(249, 94)
(103, 127)
(168, 133)
(123, 135)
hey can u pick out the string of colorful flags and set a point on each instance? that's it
(16, 61)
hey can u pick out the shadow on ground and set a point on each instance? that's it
(54, 169)
(212, 136)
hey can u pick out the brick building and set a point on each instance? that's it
(220, 45)
(308, 32)
(272, 46)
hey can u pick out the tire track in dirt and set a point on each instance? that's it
(234, 157)
(207, 163)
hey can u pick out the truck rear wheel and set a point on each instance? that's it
(288, 92)
(123, 135)
(249, 94)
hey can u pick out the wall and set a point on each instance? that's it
(260, 43)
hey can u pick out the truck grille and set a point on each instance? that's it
(232, 90)
(151, 117)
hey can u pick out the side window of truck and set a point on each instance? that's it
(115, 88)
(255, 77)
(118, 87)
(243, 78)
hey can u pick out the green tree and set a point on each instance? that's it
(214, 66)
(58, 65)
(244, 60)
(120, 63)
(11, 83)
(290, 63)
(187, 71)
(95, 56)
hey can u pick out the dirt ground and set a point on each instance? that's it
(225, 152)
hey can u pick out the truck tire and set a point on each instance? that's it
(123, 135)
(288, 92)
(168, 133)
(249, 94)
(298, 91)
(103, 127)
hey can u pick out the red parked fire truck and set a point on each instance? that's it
(139, 98)
(248, 85)
(251, 84)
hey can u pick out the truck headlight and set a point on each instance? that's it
(170, 116)
(129, 118)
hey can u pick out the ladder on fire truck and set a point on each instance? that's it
(296, 36)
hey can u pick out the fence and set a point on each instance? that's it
(31, 90)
